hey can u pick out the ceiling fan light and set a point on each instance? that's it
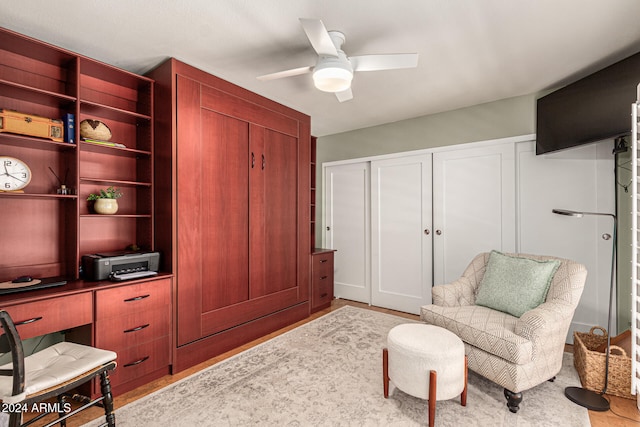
(332, 79)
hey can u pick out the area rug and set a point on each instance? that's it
(328, 372)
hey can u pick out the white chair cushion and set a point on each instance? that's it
(55, 365)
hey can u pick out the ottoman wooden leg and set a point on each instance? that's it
(463, 396)
(432, 397)
(385, 372)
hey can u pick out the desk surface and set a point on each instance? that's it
(72, 287)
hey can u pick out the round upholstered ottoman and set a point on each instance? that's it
(425, 361)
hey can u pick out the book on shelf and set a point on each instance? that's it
(106, 143)
(69, 121)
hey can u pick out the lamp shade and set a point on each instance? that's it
(332, 79)
(333, 74)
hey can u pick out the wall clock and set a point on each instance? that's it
(15, 175)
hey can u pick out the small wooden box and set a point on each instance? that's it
(28, 124)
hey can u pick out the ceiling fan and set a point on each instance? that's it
(334, 70)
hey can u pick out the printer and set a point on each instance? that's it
(119, 266)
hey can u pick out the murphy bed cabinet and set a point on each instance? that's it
(46, 233)
(236, 168)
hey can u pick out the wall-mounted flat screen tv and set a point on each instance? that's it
(594, 108)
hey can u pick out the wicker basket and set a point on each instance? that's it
(95, 129)
(590, 364)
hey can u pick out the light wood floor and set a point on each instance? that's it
(623, 412)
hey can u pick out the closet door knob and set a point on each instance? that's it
(427, 231)
(438, 232)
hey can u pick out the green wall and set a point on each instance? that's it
(499, 119)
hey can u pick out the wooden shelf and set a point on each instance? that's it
(118, 151)
(113, 113)
(40, 196)
(116, 182)
(33, 142)
(116, 216)
(30, 93)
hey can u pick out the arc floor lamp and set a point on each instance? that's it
(583, 397)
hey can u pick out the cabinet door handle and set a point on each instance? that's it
(136, 329)
(323, 277)
(138, 298)
(26, 322)
(137, 362)
(253, 160)
(264, 162)
(323, 260)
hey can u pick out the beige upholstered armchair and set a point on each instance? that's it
(517, 353)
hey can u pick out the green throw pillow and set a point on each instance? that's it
(515, 285)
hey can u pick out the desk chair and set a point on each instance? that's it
(50, 373)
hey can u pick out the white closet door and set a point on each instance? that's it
(578, 179)
(347, 229)
(473, 206)
(401, 245)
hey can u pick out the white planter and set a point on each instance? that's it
(106, 206)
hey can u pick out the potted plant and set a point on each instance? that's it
(105, 202)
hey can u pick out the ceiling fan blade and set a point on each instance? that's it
(345, 95)
(319, 37)
(286, 73)
(384, 62)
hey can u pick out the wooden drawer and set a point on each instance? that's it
(321, 279)
(52, 315)
(134, 362)
(322, 262)
(322, 272)
(128, 331)
(322, 291)
(131, 299)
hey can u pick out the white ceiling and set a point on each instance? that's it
(471, 51)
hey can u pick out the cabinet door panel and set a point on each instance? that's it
(280, 214)
(188, 198)
(224, 224)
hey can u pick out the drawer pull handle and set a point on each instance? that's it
(137, 298)
(324, 295)
(323, 277)
(136, 329)
(26, 322)
(323, 260)
(137, 362)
